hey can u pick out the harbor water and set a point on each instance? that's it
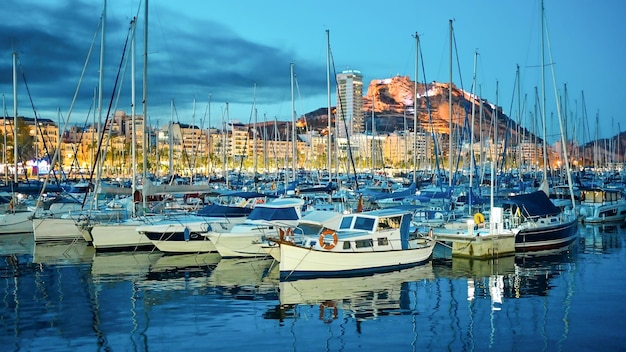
(64, 296)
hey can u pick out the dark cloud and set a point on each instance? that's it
(189, 58)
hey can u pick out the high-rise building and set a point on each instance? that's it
(350, 102)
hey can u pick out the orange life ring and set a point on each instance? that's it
(328, 246)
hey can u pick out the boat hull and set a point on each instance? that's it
(54, 229)
(171, 237)
(603, 213)
(120, 236)
(548, 237)
(239, 245)
(177, 242)
(17, 222)
(299, 262)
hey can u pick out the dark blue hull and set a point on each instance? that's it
(548, 237)
(297, 275)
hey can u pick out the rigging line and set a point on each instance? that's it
(117, 78)
(430, 120)
(345, 125)
(508, 123)
(184, 154)
(306, 124)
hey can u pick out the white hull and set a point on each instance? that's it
(298, 261)
(53, 229)
(200, 246)
(603, 213)
(118, 236)
(239, 245)
(18, 222)
(168, 236)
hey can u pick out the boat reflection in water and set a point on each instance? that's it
(600, 238)
(62, 252)
(16, 244)
(126, 265)
(244, 277)
(358, 297)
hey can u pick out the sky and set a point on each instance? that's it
(210, 61)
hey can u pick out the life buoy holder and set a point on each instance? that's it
(286, 234)
(479, 218)
(328, 246)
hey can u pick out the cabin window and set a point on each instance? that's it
(308, 229)
(363, 223)
(598, 197)
(364, 243)
(389, 223)
(383, 241)
(346, 245)
(346, 222)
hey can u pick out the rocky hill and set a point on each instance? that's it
(392, 102)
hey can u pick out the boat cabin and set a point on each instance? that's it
(600, 195)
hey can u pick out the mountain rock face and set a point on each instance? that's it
(392, 103)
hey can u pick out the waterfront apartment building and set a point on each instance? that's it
(349, 103)
(44, 132)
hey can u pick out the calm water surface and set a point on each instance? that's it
(59, 297)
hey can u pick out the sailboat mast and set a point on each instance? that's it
(254, 136)
(328, 153)
(450, 156)
(101, 82)
(144, 145)
(543, 103)
(471, 148)
(171, 140)
(4, 135)
(209, 146)
(493, 157)
(417, 44)
(133, 116)
(224, 156)
(15, 154)
(294, 155)
(373, 136)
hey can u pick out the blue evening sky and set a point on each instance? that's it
(224, 49)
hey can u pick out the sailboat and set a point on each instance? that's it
(123, 234)
(16, 218)
(541, 224)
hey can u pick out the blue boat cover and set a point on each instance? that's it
(532, 204)
(274, 214)
(216, 210)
